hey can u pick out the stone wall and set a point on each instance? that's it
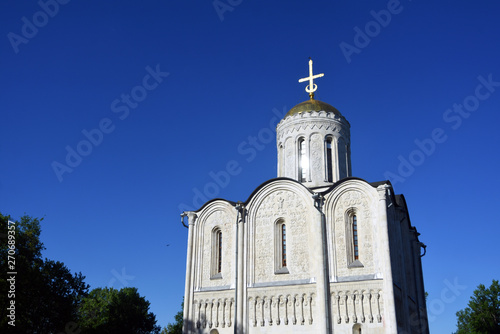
(223, 217)
(288, 207)
(214, 310)
(286, 309)
(362, 293)
(352, 199)
(357, 303)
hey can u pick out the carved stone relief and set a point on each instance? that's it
(222, 220)
(288, 206)
(281, 310)
(356, 201)
(289, 158)
(213, 313)
(358, 306)
(316, 163)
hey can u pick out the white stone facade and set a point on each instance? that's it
(313, 255)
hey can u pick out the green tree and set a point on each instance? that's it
(45, 293)
(483, 312)
(176, 327)
(107, 311)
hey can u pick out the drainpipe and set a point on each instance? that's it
(424, 246)
(422, 302)
(182, 220)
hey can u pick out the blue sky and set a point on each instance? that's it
(157, 97)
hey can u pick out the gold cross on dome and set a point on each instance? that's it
(311, 88)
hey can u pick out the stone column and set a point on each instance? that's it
(188, 291)
(244, 280)
(321, 269)
(385, 252)
(240, 294)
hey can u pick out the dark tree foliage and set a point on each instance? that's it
(107, 311)
(176, 327)
(47, 295)
(483, 312)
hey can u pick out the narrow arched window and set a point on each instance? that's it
(328, 157)
(355, 236)
(216, 264)
(303, 162)
(352, 239)
(219, 251)
(280, 249)
(283, 245)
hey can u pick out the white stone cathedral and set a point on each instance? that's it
(312, 251)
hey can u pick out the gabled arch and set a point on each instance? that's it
(339, 225)
(215, 216)
(333, 193)
(273, 197)
(280, 183)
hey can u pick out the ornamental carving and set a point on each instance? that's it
(281, 310)
(350, 202)
(288, 206)
(314, 130)
(289, 158)
(317, 157)
(213, 313)
(223, 221)
(357, 306)
(324, 126)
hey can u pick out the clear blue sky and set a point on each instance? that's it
(112, 212)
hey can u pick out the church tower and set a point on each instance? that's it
(314, 250)
(313, 142)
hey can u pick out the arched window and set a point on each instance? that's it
(283, 245)
(219, 251)
(328, 158)
(216, 271)
(352, 235)
(355, 236)
(303, 161)
(280, 249)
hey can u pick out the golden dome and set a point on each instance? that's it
(312, 105)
